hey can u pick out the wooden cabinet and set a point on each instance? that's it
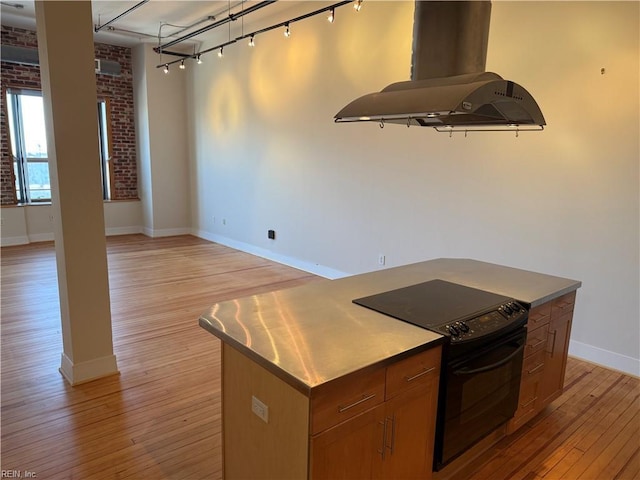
(391, 439)
(348, 450)
(377, 423)
(555, 361)
(545, 358)
(408, 439)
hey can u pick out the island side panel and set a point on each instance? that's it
(253, 448)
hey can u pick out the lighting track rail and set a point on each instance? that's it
(251, 35)
(230, 18)
(126, 12)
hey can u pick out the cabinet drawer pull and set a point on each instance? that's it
(393, 434)
(384, 437)
(553, 344)
(538, 319)
(358, 402)
(529, 402)
(564, 305)
(417, 375)
(538, 344)
(535, 369)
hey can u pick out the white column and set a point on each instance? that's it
(65, 46)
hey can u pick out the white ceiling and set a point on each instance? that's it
(169, 18)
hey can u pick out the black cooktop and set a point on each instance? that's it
(434, 303)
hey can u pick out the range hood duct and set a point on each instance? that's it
(449, 88)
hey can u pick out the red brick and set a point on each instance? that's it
(117, 90)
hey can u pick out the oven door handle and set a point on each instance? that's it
(466, 371)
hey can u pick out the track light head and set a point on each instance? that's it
(332, 15)
(182, 65)
(166, 68)
(221, 52)
(287, 32)
(251, 42)
(198, 60)
(357, 5)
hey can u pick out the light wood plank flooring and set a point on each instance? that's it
(160, 418)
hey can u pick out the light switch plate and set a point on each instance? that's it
(260, 409)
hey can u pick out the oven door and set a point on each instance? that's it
(480, 393)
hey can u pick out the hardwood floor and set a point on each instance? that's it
(160, 418)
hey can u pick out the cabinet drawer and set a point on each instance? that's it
(536, 340)
(539, 316)
(527, 402)
(531, 375)
(563, 305)
(346, 397)
(416, 370)
(533, 365)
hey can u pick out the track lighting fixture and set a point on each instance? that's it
(328, 10)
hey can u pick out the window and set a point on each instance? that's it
(104, 143)
(29, 146)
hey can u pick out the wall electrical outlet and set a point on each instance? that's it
(260, 409)
(381, 259)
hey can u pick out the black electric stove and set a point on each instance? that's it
(482, 356)
(462, 313)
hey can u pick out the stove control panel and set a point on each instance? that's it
(485, 324)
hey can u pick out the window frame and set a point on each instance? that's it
(20, 161)
(106, 157)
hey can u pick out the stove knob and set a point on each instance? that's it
(515, 307)
(453, 330)
(507, 309)
(463, 326)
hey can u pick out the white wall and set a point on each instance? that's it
(161, 127)
(266, 154)
(163, 166)
(34, 223)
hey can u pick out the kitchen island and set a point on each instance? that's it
(315, 386)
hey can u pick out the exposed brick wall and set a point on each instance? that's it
(117, 89)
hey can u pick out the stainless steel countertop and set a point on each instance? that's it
(313, 334)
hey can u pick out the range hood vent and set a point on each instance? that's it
(449, 89)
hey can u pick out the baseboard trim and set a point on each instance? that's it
(114, 231)
(48, 237)
(84, 372)
(166, 232)
(606, 358)
(11, 241)
(314, 268)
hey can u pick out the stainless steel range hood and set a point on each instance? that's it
(449, 89)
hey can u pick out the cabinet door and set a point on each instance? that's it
(409, 434)
(529, 400)
(351, 450)
(555, 358)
